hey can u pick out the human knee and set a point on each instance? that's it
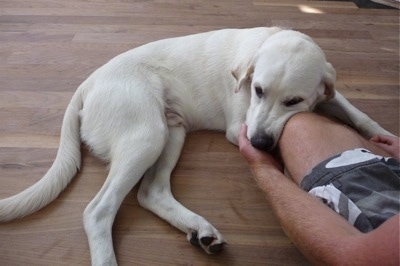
(312, 130)
(301, 124)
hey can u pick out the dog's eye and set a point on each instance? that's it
(259, 92)
(293, 101)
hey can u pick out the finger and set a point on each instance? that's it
(381, 145)
(381, 139)
(375, 138)
(242, 138)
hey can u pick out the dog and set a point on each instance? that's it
(135, 111)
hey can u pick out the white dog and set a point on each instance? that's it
(135, 112)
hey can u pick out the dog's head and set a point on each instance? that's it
(288, 74)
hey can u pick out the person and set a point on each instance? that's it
(320, 155)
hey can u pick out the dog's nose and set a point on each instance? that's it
(262, 142)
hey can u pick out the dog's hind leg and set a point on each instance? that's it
(134, 153)
(155, 195)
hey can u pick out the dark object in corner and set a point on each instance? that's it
(366, 4)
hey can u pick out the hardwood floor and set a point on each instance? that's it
(48, 47)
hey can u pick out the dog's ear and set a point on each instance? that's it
(242, 76)
(329, 80)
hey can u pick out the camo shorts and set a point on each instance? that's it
(362, 187)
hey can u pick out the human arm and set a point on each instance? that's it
(390, 144)
(321, 235)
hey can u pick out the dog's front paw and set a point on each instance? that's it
(210, 244)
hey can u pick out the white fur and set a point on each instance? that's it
(135, 112)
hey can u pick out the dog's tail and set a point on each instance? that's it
(64, 168)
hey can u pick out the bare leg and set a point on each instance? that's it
(309, 138)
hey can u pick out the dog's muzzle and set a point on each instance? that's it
(262, 142)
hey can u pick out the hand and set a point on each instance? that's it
(256, 158)
(389, 144)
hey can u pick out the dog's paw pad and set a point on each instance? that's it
(206, 243)
(194, 240)
(216, 248)
(207, 240)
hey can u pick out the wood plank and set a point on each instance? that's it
(313, 4)
(48, 47)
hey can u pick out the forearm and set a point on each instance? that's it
(321, 234)
(314, 228)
